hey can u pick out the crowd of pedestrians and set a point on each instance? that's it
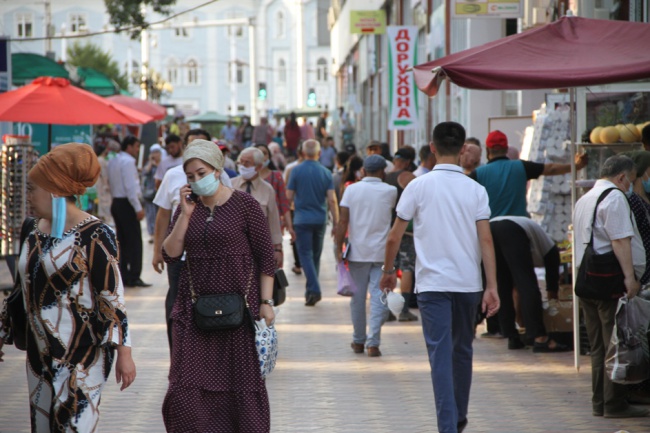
(454, 231)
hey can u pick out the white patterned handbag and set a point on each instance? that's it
(266, 342)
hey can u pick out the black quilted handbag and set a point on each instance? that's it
(217, 312)
(222, 311)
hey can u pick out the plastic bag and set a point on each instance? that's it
(628, 357)
(266, 342)
(346, 286)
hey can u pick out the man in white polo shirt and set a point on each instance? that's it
(365, 213)
(451, 229)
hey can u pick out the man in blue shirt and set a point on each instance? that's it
(311, 189)
(505, 180)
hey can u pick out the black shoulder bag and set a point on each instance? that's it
(222, 311)
(280, 284)
(600, 276)
(16, 312)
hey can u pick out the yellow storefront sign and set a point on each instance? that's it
(487, 8)
(368, 22)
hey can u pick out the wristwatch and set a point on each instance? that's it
(389, 272)
(268, 302)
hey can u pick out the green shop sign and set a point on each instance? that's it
(60, 134)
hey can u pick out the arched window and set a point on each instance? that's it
(172, 71)
(282, 71)
(321, 70)
(192, 68)
(279, 22)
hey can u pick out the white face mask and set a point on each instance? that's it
(394, 301)
(247, 172)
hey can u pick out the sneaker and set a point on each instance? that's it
(407, 316)
(629, 412)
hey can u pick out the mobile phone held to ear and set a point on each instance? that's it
(193, 197)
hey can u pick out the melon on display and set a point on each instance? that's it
(594, 137)
(609, 134)
(628, 133)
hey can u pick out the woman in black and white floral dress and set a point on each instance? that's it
(73, 296)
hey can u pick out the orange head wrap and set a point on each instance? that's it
(67, 170)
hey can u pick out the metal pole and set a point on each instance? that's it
(576, 300)
(144, 60)
(144, 64)
(252, 71)
(233, 71)
(48, 24)
(300, 60)
(64, 45)
(447, 52)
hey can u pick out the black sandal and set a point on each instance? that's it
(545, 347)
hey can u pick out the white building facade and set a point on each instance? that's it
(208, 66)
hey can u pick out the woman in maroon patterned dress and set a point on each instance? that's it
(215, 383)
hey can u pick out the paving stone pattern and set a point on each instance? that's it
(320, 385)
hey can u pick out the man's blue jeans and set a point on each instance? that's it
(309, 240)
(366, 277)
(448, 325)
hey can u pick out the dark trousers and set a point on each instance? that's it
(599, 321)
(129, 236)
(515, 268)
(448, 327)
(294, 248)
(173, 275)
(309, 238)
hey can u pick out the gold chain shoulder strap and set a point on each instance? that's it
(195, 296)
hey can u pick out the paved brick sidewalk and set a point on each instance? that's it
(320, 386)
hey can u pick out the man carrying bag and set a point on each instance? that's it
(603, 224)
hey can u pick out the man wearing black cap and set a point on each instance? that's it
(505, 180)
(365, 214)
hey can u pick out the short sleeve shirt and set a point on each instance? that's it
(445, 206)
(505, 181)
(310, 182)
(613, 221)
(370, 203)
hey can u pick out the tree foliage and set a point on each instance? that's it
(128, 13)
(92, 56)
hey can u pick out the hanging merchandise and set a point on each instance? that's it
(17, 158)
(549, 197)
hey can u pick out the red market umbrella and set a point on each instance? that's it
(156, 111)
(54, 101)
(570, 52)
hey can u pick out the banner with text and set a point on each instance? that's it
(402, 56)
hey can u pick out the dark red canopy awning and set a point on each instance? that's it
(570, 52)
